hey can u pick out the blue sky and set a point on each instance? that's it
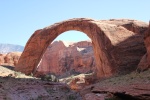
(20, 18)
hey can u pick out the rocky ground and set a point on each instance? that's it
(133, 86)
(17, 86)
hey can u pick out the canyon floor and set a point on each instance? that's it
(17, 86)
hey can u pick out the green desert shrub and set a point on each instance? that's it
(49, 77)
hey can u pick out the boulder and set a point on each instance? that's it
(2, 58)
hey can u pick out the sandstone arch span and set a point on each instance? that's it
(105, 37)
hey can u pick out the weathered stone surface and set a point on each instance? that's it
(10, 58)
(133, 86)
(145, 61)
(62, 57)
(117, 47)
(17, 86)
(132, 92)
(92, 96)
(79, 82)
(143, 65)
(2, 58)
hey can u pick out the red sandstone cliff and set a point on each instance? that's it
(61, 57)
(10, 58)
(145, 61)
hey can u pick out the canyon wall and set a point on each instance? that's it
(145, 61)
(67, 57)
(10, 59)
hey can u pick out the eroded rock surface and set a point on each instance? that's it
(145, 61)
(118, 44)
(133, 86)
(2, 58)
(10, 59)
(67, 57)
(17, 86)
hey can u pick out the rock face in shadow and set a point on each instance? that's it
(61, 57)
(10, 59)
(145, 61)
(118, 44)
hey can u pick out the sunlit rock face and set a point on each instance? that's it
(2, 58)
(61, 57)
(10, 59)
(145, 61)
(118, 45)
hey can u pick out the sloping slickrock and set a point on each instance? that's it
(133, 86)
(18, 86)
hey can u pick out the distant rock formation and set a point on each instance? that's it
(67, 57)
(145, 61)
(60, 58)
(6, 48)
(10, 59)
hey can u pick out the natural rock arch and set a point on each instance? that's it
(105, 39)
